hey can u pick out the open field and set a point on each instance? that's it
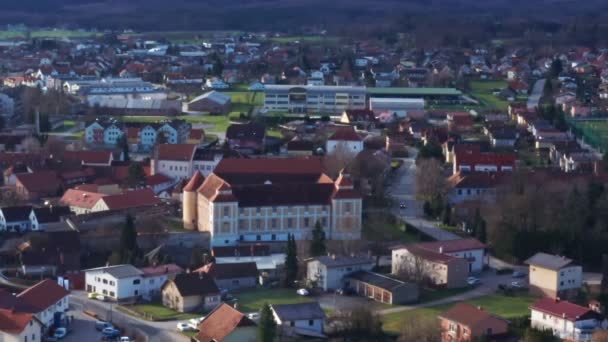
(503, 306)
(253, 300)
(157, 312)
(483, 91)
(217, 123)
(49, 34)
(595, 133)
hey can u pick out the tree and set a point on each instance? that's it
(536, 335)
(123, 143)
(218, 66)
(600, 335)
(161, 138)
(479, 226)
(291, 261)
(420, 329)
(446, 214)
(429, 178)
(604, 283)
(426, 208)
(605, 161)
(556, 68)
(432, 149)
(317, 243)
(136, 175)
(128, 250)
(361, 324)
(267, 326)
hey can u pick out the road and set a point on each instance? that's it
(156, 331)
(537, 93)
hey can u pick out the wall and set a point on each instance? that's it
(236, 283)
(543, 280)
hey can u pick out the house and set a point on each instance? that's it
(328, 272)
(480, 161)
(249, 137)
(431, 266)
(578, 161)
(567, 321)
(226, 324)
(44, 300)
(503, 136)
(19, 326)
(464, 322)
(299, 147)
(213, 102)
(42, 217)
(189, 292)
(302, 319)
(216, 83)
(233, 276)
(81, 201)
(554, 276)
(50, 252)
(15, 219)
(346, 140)
(129, 199)
(268, 263)
(363, 118)
(155, 277)
(88, 158)
(313, 98)
(382, 288)
(253, 200)
(475, 186)
(470, 249)
(34, 186)
(174, 160)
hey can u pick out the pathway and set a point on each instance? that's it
(537, 93)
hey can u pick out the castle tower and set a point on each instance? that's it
(189, 208)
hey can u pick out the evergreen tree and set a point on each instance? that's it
(556, 68)
(291, 261)
(128, 251)
(446, 214)
(267, 326)
(136, 175)
(317, 244)
(426, 208)
(124, 145)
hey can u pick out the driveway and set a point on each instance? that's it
(537, 93)
(156, 331)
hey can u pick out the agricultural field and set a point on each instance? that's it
(594, 133)
(49, 34)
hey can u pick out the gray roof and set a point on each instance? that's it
(341, 261)
(301, 311)
(377, 280)
(120, 271)
(214, 96)
(549, 261)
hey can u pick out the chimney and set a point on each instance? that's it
(333, 256)
(440, 249)
(479, 308)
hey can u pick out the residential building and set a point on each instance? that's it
(488, 161)
(174, 161)
(233, 276)
(302, 319)
(464, 322)
(345, 140)
(15, 219)
(554, 276)
(226, 324)
(472, 250)
(268, 263)
(567, 321)
(475, 186)
(44, 300)
(253, 200)
(189, 292)
(363, 118)
(40, 218)
(55, 252)
(212, 102)
(382, 288)
(88, 158)
(216, 83)
(80, 201)
(33, 186)
(129, 199)
(249, 137)
(329, 272)
(313, 98)
(19, 326)
(154, 277)
(140, 136)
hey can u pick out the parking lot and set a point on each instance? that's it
(82, 328)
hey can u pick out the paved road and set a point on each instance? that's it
(537, 93)
(156, 331)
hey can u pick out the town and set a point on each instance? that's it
(259, 186)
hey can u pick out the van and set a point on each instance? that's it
(100, 325)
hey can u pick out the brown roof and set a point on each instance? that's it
(345, 134)
(562, 309)
(470, 316)
(40, 181)
(477, 179)
(197, 133)
(429, 254)
(176, 152)
(195, 284)
(231, 270)
(195, 182)
(14, 322)
(221, 322)
(161, 269)
(44, 294)
(157, 179)
(131, 199)
(88, 157)
(81, 198)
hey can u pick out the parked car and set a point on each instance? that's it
(125, 339)
(472, 281)
(91, 295)
(402, 205)
(110, 332)
(100, 297)
(100, 325)
(302, 292)
(184, 327)
(517, 285)
(194, 322)
(519, 274)
(254, 316)
(60, 333)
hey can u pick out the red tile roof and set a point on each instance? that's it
(40, 181)
(14, 322)
(197, 133)
(345, 134)
(81, 198)
(498, 159)
(131, 199)
(195, 182)
(161, 269)
(43, 295)
(176, 152)
(561, 308)
(157, 179)
(221, 322)
(471, 316)
(88, 157)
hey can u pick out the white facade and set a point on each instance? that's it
(32, 332)
(174, 169)
(47, 316)
(332, 278)
(313, 98)
(134, 284)
(313, 325)
(578, 330)
(111, 135)
(350, 146)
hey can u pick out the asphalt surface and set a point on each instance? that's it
(537, 93)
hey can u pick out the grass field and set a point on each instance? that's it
(595, 133)
(308, 39)
(49, 34)
(503, 306)
(157, 312)
(219, 123)
(483, 91)
(253, 300)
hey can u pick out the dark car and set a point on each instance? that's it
(402, 205)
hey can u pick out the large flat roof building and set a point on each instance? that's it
(313, 98)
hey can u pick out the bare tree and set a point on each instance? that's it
(412, 268)
(420, 329)
(429, 178)
(337, 160)
(600, 336)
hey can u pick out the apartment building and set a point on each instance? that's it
(182, 161)
(267, 199)
(567, 321)
(140, 136)
(313, 98)
(554, 276)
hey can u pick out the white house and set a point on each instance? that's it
(216, 83)
(44, 300)
(121, 282)
(344, 138)
(328, 272)
(303, 319)
(174, 161)
(566, 320)
(16, 218)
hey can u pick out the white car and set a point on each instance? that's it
(517, 285)
(125, 339)
(184, 327)
(302, 292)
(194, 322)
(473, 281)
(254, 316)
(60, 333)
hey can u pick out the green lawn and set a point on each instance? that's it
(253, 300)
(595, 133)
(49, 34)
(383, 226)
(157, 312)
(219, 122)
(503, 306)
(483, 91)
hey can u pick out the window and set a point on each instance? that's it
(311, 322)
(273, 237)
(292, 323)
(258, 238)
(306, 221)
(151, 281)
(105, 281)
(112, 294)
(289, 223)
(104, 292)
(273, 223)
(136, 282)
(226, 211)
